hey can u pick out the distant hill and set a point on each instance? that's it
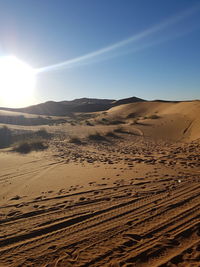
(128, 101)
(63, 108)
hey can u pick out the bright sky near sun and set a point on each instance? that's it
(66, 49)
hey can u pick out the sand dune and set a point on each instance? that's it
(129, 198)
(175, 120)
(178, 120)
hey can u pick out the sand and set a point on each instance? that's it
(130, 200)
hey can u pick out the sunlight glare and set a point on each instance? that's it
(17, 82)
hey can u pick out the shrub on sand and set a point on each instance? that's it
(96, 137)
(75, 140)
(111, 134)
(131, 115)
(43, 133)
(116, 122)
(27, 146)
(5, 136)
(154, 116)
(88, 123)
(119, 130)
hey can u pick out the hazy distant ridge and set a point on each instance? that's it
(77, 105)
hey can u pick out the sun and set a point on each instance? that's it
(17, 82)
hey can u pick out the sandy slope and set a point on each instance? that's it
(131, 200)
(177, 121)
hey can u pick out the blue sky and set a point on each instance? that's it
(164, 64)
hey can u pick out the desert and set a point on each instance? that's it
(99, 133)
(118, 187)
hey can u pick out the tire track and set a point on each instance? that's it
(87, 223)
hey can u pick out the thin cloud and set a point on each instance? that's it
(137, 37)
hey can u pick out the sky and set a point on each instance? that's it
(106, 48)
